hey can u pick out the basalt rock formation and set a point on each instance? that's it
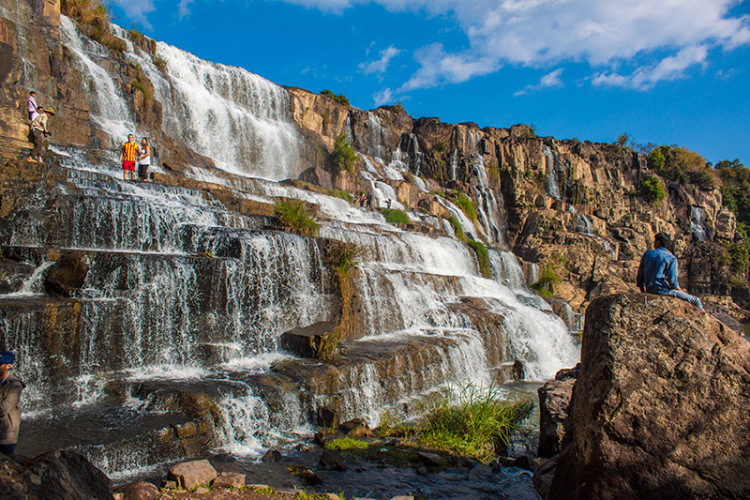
(660, 408)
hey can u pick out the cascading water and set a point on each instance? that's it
(697, 223)
(187, 294)
(553, 183)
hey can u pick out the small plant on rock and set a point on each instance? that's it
(483, 258)
(294, 216)
(457, 228)
(395, 216)
(652, 189)
(343, 156)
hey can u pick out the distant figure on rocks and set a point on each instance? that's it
(369, 200)
(144, 160)
(39, 131)
(31, 105)
(658, 272)
(388, 203)
(362, 199)
(10, 411)
(128, 155)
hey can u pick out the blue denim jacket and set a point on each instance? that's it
(658, 271)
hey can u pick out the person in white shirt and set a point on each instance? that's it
(144, 160)
(31, 106)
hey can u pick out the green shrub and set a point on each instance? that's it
(739, 256)
(395, 216)
(341, 98)
(474, 424)
(545, 285)
(652, 189)
(294, 216)
(343, 256)
(466, 205)
(483, 257)
(656, 159)
(340, 193)
(457, 228)
(93, 17)
(343, 156)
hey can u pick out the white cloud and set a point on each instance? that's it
(669, 68)
(380, 65)
(551, 79)
(137, 10)
(385, 96)
(184, 9)
(540, 33)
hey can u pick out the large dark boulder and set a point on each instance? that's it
(317, 176)
(554, 417)
(67, 274)
(661, 406)
(58, 475)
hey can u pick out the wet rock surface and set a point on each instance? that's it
(58, 475)
(660, 408)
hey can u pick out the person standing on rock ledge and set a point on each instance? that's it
(658, 272)
(128, 155)
(10, 411)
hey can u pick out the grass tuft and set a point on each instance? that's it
(483, 257)
(475, 423)
(457, 228)
(294, 216)
(395, 216)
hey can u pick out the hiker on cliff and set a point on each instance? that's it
(39, 131)
(31, 106)
(10, 411)
(369, 200)
(658, 271)
(128, 155)
(144, 160)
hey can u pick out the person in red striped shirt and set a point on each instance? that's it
(128, 154)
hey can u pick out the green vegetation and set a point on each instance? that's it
(652, 189)
(475, 423)
(395, 216)
(623, 139)
(343, 156)
(342, 256)
(93, 17)
(483, 258)
(341, 98)
(340, 193)
(347, 443)
(294, 216)
(457, 228)
(682, 165)
(466, 205)
(545, 285)
(326, 118)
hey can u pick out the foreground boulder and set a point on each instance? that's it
(661, 407)
(554, 418)
(59, 475)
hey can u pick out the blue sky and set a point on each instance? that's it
(664, 71)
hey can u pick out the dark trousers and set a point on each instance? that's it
(143, 172)
(38, 143)
(8, 449)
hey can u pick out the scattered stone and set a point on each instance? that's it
(543, 476)
(525, 462)
(422, 471)
(191, 474)
(202, 491)
(229, 480)
(58, 475)
(554, 420)
(309, 478)
(139, 491)
(169, 485)
(332, 460)
(430, 458)
(118, 496)
(317, 176)
(223, 458)
(403, 497)
(288, 491)
(356, 428)
(660, 406)
(272, 456)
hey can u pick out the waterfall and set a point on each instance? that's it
(697, 223)
(110, 110)
(553, 184)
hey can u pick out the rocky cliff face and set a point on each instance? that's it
(660, 408)
(567, 206)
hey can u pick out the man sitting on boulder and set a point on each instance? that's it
(658, 272)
